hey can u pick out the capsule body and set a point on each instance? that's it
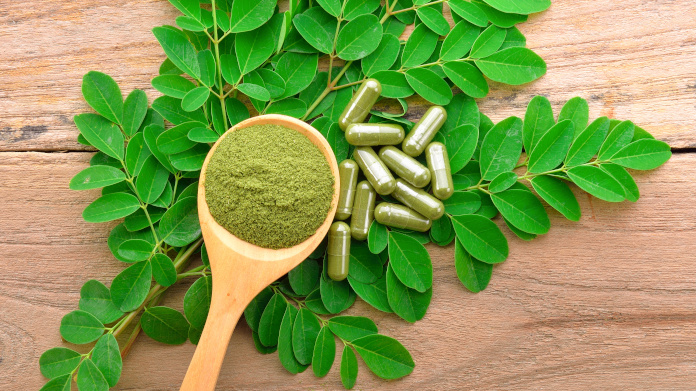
(424, 130)
(439, 166)
(374, 134)
(348, 175)
(405, 166)
(363, 210)
(374, 169)
(338, 251)
(359, 107)
(418, 200)
(399, 216)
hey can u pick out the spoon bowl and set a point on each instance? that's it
(240, 270)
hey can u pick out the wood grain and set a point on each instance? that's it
(605, 303)
(632, 59)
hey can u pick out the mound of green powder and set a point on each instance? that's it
(269, 185)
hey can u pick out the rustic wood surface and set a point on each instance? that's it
(605, 303)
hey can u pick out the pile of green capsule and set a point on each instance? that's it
(400, 180)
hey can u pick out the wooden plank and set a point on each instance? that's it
(632, 59)
(605, 303)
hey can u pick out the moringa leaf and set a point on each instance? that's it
(89, 378)
(365, 266)
(247, 15)
(324, 353)
(355, 8)
(195, 98)
(317, 28)
(643, 154)
(349, 368)
(358, 38)
(618, 137)
(474, 274)
(538, 119)
(469, 12)
(269, 326)
(350, 328)
(153, 178)
(407, 303)
(164, 324)
(578, 112)
(419, 47)
(254, 91)
(462, 203)
(197, 301)
(95, 177)
(374, 294)
(57, 362)
(459, 41)
(557, 194)
(481, 238)
(377, 237)
(429, 85)
(501, 148)
(502, 182)
(551, 148)
(134, 111)
(304, 278)
(587, 142)
(512, 66)
(285, 351)
(101, 133)
(292, 107)
(135, 250)
(304, 335)
(385, 356)
(96, 299)
(433, 18)
(519, 6)
(523, 210)
(130, 287)
(179, 226)
(107, 358)
(80, 327)
(336, 296)
(110, 207)
(488, 42)
(297, 70)
(178, 49)
(253, 48)
(597, 182)
(468, 78)
(102, 94)
(163, 270)
(383, 57)
(253, 311)
(410, 262)
(622, 176)
(394, 84)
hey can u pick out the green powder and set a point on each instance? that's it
(269, 185)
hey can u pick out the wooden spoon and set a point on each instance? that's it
(241, 270)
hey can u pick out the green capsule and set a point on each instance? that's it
(363, 210)
(359, 107)
(438, 163)
(405, 166)
(374, 134)
(424, 130)
(399, 216)
(374, 169)
(338, 251)
(348, 175)
(418, 200)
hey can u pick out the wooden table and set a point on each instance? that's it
(605, 303)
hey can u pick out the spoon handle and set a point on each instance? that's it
(225, 311)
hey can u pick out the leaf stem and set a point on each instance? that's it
(415, 7)
(216, 44)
